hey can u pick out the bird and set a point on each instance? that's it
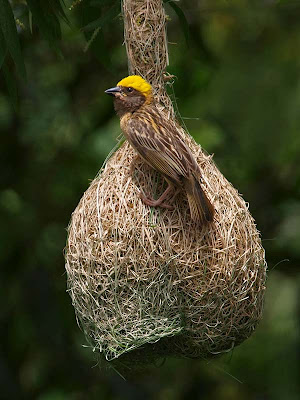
(156, 138)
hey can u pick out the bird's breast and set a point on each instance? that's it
(124, 121)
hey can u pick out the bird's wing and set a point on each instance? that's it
(165, 152)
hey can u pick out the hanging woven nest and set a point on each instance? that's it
(138, 274)
(147, 281)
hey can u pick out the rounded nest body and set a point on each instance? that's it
(149, 279)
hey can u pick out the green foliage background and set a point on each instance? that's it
(238, 92)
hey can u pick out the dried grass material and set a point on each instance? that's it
(146, 45)
(138, 274)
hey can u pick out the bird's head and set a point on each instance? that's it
(130, 94)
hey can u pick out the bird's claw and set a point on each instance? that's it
(155, 203)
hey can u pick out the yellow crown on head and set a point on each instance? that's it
(137, 83)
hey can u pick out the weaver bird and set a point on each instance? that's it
(158, 141)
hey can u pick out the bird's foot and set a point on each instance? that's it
(155, 203)
(161, 201)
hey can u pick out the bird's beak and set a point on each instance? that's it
(112, 91)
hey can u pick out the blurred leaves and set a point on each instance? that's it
(10, 36)
(104, 19)
(181, 18)
(96, 19)
(11, 85)
(3, 49)
(48, 16)
(238, 92)
(10, 201)
(45, 14)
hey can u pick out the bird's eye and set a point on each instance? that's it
(129, 89)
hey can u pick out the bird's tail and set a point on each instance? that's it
(202, 211)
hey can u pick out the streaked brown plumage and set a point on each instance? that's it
(157, 140)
